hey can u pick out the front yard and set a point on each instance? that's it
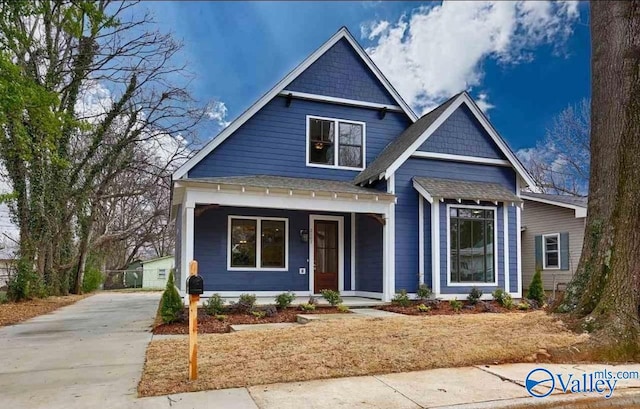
(352, 347)
(14, 312)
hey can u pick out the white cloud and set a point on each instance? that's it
(217, 111)
(435, 52)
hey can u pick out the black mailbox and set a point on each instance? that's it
(195, 285)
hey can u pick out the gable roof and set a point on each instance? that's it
(401, 144)
(400, 149)
(578, 204)
(343, 33)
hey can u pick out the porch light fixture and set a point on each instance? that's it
(304, 236)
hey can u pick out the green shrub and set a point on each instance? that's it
(25, 284)
(456, 305)
(171, 304)
(285, 299)
(332, 297)
(523, 305)
(507, 301)
(221, 317)
(307, 307)
(214, 305)
(424, 292)
(343, 308)
(401, 299)
(3, 297)
(246, 302)
(474, 295)
(258, 314)
(536, 290)
(92, 279)
(503, 298)
(423, 308)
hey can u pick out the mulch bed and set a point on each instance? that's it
(444, 308)
(208, 324)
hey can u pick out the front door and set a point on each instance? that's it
(325, 255)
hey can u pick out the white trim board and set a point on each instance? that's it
(580, 211)
(343, 33)
(463, 98)
(339, 101)
(460, 158)
(544, 251)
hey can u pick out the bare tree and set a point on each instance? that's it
(559, 163)
(98, 86)
(606, 287)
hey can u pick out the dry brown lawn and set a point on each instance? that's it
(352, 347)
(12, 313)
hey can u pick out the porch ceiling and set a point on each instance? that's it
(432, 188)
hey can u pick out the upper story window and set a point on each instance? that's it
(335, 143)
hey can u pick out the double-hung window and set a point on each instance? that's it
(258, 243)
(551, 251)
(335, 143)
(472, 245)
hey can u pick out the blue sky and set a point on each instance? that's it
(525, 62)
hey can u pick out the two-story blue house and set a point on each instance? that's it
(330, 181)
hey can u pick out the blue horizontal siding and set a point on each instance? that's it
(368, 254)
(273, 141)
(407, 217)
(210, 250)
(341, 73)
(462, 134)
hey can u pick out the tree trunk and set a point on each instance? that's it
(606, 287)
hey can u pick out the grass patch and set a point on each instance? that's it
(362, 346)
(14, 312)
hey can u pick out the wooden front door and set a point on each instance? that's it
(325, 255)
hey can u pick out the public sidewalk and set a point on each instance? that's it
(500, 386)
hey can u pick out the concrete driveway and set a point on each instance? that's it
(89, 354)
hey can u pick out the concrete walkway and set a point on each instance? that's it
(89, 354)
(478, 387)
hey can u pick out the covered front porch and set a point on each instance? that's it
(265, 235)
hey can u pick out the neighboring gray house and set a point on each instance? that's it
(552, 236)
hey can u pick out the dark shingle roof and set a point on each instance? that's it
(566, 199)
(399, 145)
(465, 190)
(281, 182)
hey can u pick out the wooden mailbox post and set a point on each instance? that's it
(193, 326)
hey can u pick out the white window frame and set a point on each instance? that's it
(495, 247)
(544, 251)
(336, 143)
(259, 220)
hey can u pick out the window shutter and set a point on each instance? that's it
(539, 251)
(564, 251)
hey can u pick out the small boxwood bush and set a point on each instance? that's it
(285, 299)
(456, 305)
(214, 305)
(258, 314)
(332, 297)
(171, 304)
(424, 292)
(423, 308)
(221, 317)
(523, 305)
(246, 302)
(307, 307)
(401, 299)
(474, 295)
(343, 308)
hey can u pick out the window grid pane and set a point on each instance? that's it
(472, 245)
(273, 244)
(243, 242)
(321, 141)
(323, 144)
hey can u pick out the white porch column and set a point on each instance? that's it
(187, 245)
(388, 255)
